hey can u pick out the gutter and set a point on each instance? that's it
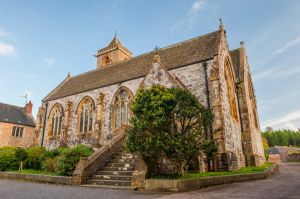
(44, 124)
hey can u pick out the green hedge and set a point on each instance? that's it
(61, 161)
(33, 161)
(8, 160)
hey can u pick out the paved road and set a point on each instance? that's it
(285, 184)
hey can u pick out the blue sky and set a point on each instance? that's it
(41, 41)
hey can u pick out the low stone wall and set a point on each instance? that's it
(274, 158)
(37, 178)
(294, 157)
(196, 183)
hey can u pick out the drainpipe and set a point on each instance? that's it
(207, 98)
(44, 124)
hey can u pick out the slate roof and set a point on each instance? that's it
(235, 58)
(184, 53)
(15, 114)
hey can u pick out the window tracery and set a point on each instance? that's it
(55, 120)
(86, 115)
(121, 108)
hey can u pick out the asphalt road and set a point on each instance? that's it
(285, 184)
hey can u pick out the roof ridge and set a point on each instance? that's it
(144, 54)
(58, 86)
(12, 105)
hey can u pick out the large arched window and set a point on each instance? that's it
(85, 112)
(231, 90)
(121, 108)
(252, 101)
(55, 120)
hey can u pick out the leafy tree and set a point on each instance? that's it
(282, 138)
(168, 123)
(21, 155)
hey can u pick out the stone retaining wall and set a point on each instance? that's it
(37, 178)
(294, 157)
(196, 183)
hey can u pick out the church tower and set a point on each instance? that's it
(115, 52)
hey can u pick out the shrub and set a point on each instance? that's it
(33, 161)
(53, 153)
(50, 165)
(68, 160)
(21, 155)
(8, 160)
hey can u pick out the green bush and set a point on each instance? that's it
(50, 165)
(61, 160)
(52, 153)
(68, 160)
(33, 161)
(8, 160)
(21, 155)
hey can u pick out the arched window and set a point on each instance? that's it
(231, 90)
(86, 115)
(252, 101)
(55, 120)
(121, 108)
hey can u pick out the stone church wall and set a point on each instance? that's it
(253, 147)
(227, 131)
(191, 76)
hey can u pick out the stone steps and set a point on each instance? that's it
(109, 182)
(130, 168)
(121, 173)
(123, 161)
(117, 171)
(113, 177)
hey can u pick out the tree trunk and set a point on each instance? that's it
(21, 166)
(181, 168)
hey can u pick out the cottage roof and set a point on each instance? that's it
(16, 115)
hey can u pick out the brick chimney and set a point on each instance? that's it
(28, 108)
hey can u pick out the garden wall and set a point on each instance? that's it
(196, 183)
(37, 178)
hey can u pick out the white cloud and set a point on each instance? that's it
(276, 73)
(289, 120)
(7, 49)
(197, 5)
(191, 17)
(291, 125)
(285, 47)
(3, 33)
(49, 61)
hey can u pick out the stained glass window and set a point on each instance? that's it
(56, 120)
(121, 108)
(86, 112)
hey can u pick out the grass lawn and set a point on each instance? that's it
(208, 174)
(31, 171)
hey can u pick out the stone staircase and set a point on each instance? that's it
(117, 172)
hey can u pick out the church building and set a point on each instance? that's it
(89, 108)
